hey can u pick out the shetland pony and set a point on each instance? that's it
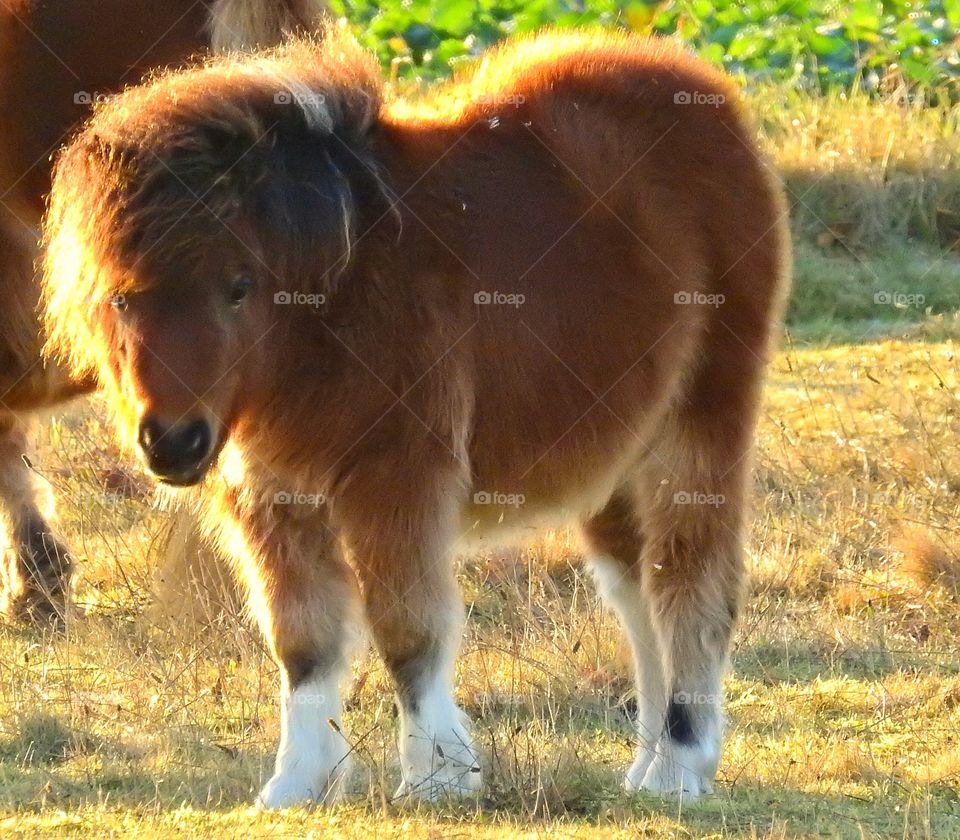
(386, 328)
(56, 57)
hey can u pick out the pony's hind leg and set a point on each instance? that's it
(615, 541)
(304, 596)
(415, 615)
(37, 566)
(692, 490)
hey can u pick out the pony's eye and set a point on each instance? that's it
(241, 286)
(118, 302)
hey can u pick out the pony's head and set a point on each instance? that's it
(183, 213)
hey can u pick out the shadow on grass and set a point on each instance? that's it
(45, 765)
(766, 663)
(740, 810)
(864, 276)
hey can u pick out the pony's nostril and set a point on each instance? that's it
(196, 439)
(177, 450)
(150, 432)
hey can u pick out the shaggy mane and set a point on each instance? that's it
(328, 76)
(195, 144)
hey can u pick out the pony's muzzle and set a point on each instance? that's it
(176, 453)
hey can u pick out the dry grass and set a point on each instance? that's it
(844, 699)
(863, 171)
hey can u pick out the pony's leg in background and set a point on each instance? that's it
(415, 614)
(36, 565)
(614, 541)
(305, 598)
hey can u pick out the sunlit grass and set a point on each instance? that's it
(844, 695)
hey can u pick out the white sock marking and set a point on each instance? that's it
(437, 754)
(311, 761)
(622, 593)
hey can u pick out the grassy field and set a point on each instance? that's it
(844, 697)
(844, 700)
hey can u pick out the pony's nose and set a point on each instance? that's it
(175, 452)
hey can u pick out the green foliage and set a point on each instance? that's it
(814, 42)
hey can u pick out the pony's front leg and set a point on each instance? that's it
(304, 596)
(415, 614)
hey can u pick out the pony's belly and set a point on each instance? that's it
(550, 498)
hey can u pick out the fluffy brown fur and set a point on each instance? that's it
(55, 57)
(546, 289)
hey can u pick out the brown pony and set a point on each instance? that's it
(56, 57)
(386, 328)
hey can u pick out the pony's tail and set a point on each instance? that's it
(247, 24)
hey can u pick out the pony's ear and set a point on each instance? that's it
(220, 155)
(226, 143)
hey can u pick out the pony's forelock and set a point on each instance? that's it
(189, 145)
